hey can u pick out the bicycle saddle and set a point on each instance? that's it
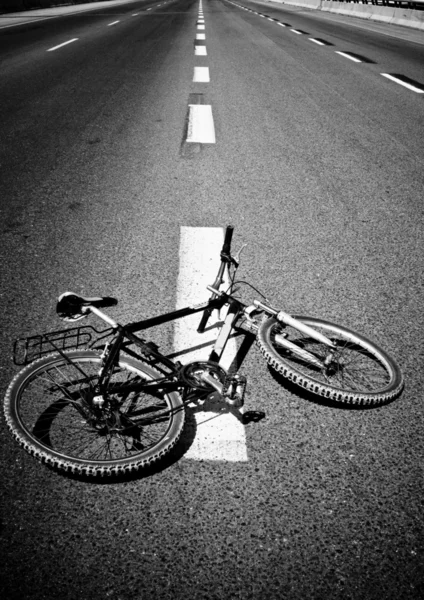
(70, 306)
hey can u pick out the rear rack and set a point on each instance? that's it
(26, 350)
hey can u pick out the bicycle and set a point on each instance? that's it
(118, 405)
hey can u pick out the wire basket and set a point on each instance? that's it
(26, 350)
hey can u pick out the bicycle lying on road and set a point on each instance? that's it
(118, 405)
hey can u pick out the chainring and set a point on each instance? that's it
(191, 374)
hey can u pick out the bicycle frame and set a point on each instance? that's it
(125, 335)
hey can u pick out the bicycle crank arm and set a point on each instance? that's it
(214, 383)
(232, 391)
(285, 318)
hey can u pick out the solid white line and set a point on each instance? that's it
(219, 436)
(200, 50)
(400, 82)
(201, 75)
(200, 36)
(201, 127)
(317, 42)
(114, 23)
(61, 45)
(348, 56)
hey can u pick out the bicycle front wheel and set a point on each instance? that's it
(50, 410)
(359, 372)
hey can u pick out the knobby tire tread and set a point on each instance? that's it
(131, 465)
(329, 392)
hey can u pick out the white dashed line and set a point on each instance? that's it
(200, 50)
(317, 42)
(219, 435)
(296, 31)
(409, 86)
(61, 45)
(200, 27)
(200, 36)
(348, 56)
(201, 127)
(114, 23)
(201, 75)
(281, 24)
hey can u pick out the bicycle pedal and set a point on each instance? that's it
(233, 390)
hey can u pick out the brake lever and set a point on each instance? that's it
(236, 258)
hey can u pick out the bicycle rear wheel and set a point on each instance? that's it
(359, 373)
(50, 411)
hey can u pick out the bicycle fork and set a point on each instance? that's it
(285, 318)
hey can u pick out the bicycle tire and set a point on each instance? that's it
(361, 373)
(43, 416)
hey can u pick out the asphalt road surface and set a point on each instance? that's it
(317, 159)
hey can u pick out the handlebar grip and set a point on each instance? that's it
(226, 248)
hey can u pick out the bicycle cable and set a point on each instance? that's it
(233, 283)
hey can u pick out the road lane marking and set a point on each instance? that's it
(200, 36)
(406, 82)
(219, 435)
(200, 27)
(200, 51)
(61, 45)
(296, 31)
(201, 128)
(201, 75)
(317, 42)
(346, 55)
(114, 23)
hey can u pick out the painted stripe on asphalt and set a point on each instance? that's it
(61, 45)
(201, 127)
(114, 23)
(200, 50)
(201, 27)
(201, 75)
(348, 56)
(409, 86)
(219, 435)
(200, 36)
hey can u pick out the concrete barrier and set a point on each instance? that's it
(20, 5)
(387, 14)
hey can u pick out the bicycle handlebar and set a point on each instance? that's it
(226, 247)
(225, 259)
